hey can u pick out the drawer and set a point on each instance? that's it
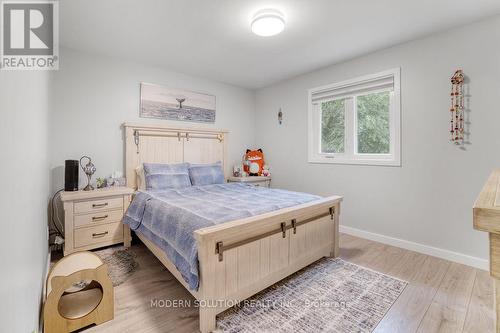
(98, 205)
(98, 218)
(99, 234)
(263, 184)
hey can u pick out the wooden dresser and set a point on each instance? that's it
(93, 219)
(487, 218)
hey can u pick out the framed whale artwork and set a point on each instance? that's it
(166, 103)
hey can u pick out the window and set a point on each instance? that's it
(356, 121)
(333, 126)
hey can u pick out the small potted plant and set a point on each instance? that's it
(100, 183)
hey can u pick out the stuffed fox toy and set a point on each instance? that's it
(254, 162)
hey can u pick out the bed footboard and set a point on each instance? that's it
(240, 258)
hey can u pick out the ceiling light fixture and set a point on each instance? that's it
(268, 22)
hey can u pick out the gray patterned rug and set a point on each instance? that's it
(121, 263)
(331, 295)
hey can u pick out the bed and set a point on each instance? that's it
(227, 248)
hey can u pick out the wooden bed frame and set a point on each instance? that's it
(237, 259)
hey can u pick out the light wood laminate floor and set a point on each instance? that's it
(441, 296)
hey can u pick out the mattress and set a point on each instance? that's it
(169, 218)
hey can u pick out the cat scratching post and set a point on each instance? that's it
(80, 293)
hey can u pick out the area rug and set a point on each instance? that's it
(331, 295)
(121, 263)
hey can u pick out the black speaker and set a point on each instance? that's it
(71, 175)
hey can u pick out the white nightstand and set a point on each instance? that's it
(93, 219)
(254, 180)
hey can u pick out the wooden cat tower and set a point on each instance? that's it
(80, 293)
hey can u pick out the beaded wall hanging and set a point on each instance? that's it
(457, 108)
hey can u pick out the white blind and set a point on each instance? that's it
(348, 89)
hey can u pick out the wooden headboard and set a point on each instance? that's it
(145, 143)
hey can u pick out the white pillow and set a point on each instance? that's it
(140, 178)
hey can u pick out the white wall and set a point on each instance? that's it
(429, 199)
(94, 95)
(24, 109)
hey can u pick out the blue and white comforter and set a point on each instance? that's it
(169, 217)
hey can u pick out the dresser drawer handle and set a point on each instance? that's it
(99, 218)
(101, 234)
(99, 205)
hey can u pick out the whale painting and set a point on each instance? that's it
(161, 102)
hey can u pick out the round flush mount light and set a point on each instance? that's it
(267, 22)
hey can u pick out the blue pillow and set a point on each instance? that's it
(165, 176)
(206, 174)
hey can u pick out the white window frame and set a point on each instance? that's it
(350, 156)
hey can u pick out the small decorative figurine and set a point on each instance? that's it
(457, 108)
(110, 181)
(89, 170)
(265, 171)
(237, 170)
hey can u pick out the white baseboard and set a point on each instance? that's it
(417, 247)
(44, 290)
(46, 275)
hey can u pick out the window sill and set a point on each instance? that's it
(359, 161)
